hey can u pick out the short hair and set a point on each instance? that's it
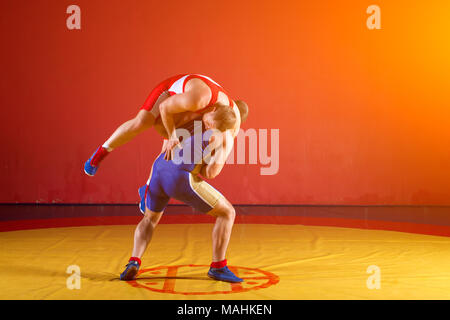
(224, 117)
(243, 109)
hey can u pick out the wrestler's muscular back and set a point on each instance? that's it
(222, 98)
(197, 85)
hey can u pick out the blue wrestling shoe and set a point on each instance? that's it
(89, 169)
(91, 165)
(130, 272)
(223, 274)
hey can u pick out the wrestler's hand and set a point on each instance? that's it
(168, 147)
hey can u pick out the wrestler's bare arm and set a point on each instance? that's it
(215, 165)
(222, 148)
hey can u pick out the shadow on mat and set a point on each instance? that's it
(94, 276)
(32, 269)
(204, 278)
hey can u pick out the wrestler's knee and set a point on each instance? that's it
(152, 217)
(225, 209)
(143, 121)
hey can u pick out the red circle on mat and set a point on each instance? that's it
(169, 274)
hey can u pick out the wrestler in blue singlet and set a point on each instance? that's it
(178, 179)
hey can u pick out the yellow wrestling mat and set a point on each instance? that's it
(276, 261)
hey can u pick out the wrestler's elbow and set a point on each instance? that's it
(210, 175)
(212, 171)
(162, 109)
(161, 130)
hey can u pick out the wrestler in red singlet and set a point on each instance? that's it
(169, 87)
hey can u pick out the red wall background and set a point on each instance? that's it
(364, 115)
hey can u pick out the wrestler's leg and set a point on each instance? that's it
(128, 130)
(203, 197)
(144, 232)
(154, 200)
(142, 236)
(131, 128)
(225, 214)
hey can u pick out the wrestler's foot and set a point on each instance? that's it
(89, 169)
(223, 274)
(91, 165)
(130, 272)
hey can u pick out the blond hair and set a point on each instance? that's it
(243, 109)
(223, 117)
